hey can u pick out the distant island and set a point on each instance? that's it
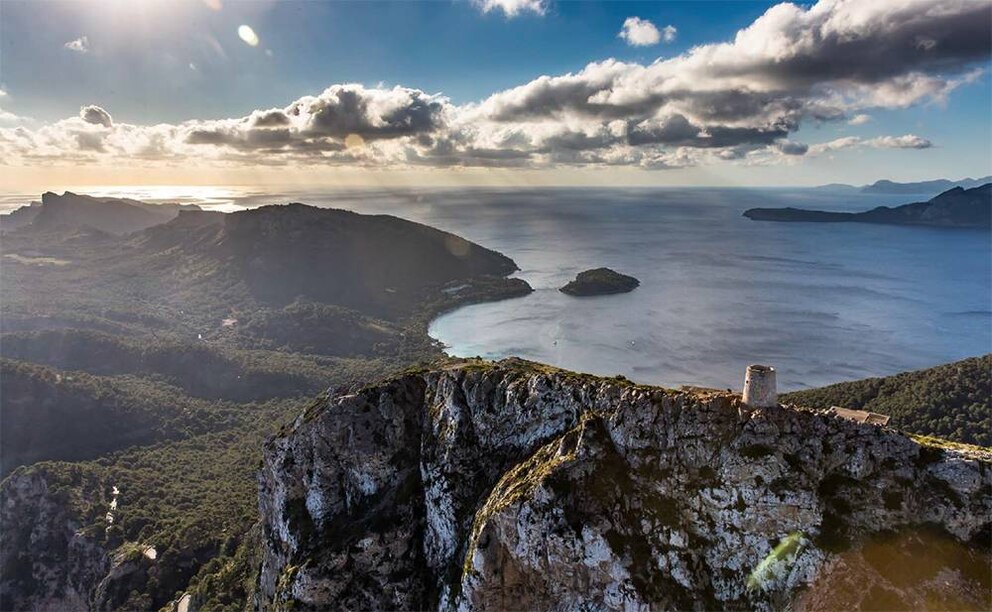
(957, 208)
(600, 281)
(885, 186)
(934, 186)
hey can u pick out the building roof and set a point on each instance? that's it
(861, 416)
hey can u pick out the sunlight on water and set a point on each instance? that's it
(207, 197)
(824, 303)
(218, 198)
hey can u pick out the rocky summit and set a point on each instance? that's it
(513, 485)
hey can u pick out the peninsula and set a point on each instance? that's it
(957, 208)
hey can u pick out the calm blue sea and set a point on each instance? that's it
(821, 302)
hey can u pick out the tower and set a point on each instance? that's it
(759, 387)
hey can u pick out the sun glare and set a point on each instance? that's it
(248, 35)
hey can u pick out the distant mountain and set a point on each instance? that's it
(20, 217)
(376, 264)
(74, 211)
(923, 187)
(957, 207)
(836, 187)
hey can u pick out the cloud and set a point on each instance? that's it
(639, 32)
(859, 119)
(513, 8)
(789, 147)
(8, 118)
(80, 45)
(668, 33)
(907, 141)
(740, 101)
(96, 115)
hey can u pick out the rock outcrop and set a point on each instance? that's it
(47, 561)
(517, 486)
(600, 281)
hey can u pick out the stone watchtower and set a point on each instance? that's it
(759, 387)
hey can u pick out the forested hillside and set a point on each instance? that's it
(952, 401)
(144, 372)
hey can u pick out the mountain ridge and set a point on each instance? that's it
(954, 208)
(74, 211)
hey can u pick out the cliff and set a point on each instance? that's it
(957, 207)
(518, 486)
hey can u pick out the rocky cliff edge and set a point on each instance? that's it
(512, 485)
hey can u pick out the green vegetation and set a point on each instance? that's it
(159, 362)
(600, 281)
(950, 401)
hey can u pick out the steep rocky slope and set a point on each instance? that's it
(516, 486)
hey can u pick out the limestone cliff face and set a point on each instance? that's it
(46, 561)
(516, 486)
(49, 559)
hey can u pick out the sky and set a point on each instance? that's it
(493, 92)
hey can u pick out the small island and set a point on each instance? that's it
(600, 281)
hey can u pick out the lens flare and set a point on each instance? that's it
(778, 563)
(248, 35)
(354, 141)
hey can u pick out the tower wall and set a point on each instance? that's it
(759, 387)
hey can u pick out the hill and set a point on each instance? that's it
(955, 208)
(49, 414)
(157, 362)
(200, 369)
(949, 401)
(934, 186)
(111, 215)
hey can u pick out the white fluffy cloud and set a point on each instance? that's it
(907, 141)
(738, 100)
(859, 119)
(512, 8)
(640, 32)
(80, 45)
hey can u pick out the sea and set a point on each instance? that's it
(820, 302)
